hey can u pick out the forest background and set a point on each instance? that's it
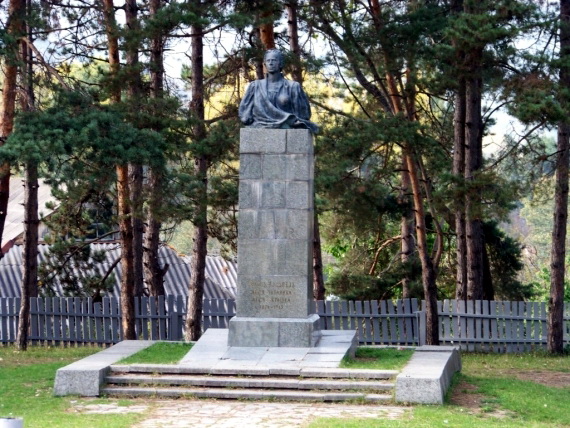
(407, 93)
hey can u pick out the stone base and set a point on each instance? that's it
(274, 332)
(427, 376)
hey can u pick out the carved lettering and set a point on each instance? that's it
(271, 295)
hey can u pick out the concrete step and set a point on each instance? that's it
(307, 372)
(289, 383)
(247, 394)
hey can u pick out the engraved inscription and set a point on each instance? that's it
(271, 295)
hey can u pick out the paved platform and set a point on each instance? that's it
(212, 352)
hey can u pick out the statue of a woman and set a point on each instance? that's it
(275, 102)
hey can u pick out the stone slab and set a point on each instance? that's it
(427, 376)
(84, 377)
(274, 332)
(256, 140)
(213, 355)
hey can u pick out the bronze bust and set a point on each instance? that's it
(275, 102)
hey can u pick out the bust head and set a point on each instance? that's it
(274, 54)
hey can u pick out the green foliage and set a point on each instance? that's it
(505, 264)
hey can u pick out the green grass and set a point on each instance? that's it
(159, 353)
(378, 359)
(507, 402)
(26, 388)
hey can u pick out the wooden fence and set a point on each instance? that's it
(488, 326)
(496, 326)
(74, 320)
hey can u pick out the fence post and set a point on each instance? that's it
(421, 320)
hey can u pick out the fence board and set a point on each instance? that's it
(486, 332)
(393, 334)
(376, 309)
(369, 331)
(407, 309)
(152, 322)
(361, 322)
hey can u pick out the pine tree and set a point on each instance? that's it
(555, 339)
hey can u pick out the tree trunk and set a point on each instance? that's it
(407, 244)
(14, 27)
(459, 173)
(555, 339)
(123, 197)
(153, 272)
(319, 291)
(266, 32)
(293, 33)
(473, 163)
(136, 195)
(199, 250)
(428, 271)
(135, 170)
(29, 286)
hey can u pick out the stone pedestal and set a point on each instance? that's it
(275, 235)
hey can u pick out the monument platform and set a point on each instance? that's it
(213, 352)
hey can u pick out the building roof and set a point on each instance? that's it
(14, 225)
(221, 275)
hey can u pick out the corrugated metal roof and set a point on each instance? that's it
(221, 275)
(15, 217)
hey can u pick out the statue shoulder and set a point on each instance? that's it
(292, 84)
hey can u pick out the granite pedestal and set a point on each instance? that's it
(275, 236)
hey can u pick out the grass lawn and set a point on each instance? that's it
(531, 390)
(159, 353)
(26, 388)
(502, 391)
(378, 358)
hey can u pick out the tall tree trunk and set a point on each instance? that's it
(407, 244)
(123, 197)
(29, 285)
(199, 250)
(428, 271)
(459, 172)
(473, 163)
(319, 290)
(293, 33)
(136, 195)
(153, 272)
(555, 339)
(14, 27)
(135, 170)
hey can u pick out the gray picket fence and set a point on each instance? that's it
(73, 320)
(488, 326)
(496, 326)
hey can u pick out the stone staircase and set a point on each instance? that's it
(282, 384)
